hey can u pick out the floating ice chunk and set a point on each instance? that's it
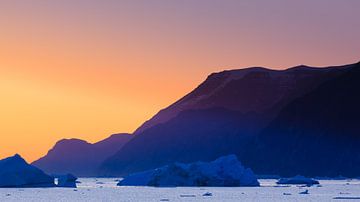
(298, 180)
(225, 171)
(67, 180)
(304, 192)
(207, 194)
(187, 195)
(345, 198)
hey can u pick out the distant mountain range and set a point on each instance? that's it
(301, 120)
(80, 157)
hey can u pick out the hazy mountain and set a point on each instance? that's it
(315, 135)
(219, 117)
(80, 157)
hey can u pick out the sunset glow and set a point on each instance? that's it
(87, 69)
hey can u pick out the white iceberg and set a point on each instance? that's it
(224, 172)
(15, 172)
(298, 180)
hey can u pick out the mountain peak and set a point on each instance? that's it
(72, 140)
(70, 144)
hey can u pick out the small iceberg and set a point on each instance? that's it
(15, 172)
(298, 180)
(347, 198)
(67, 180)
(304, 192)
(224, 172)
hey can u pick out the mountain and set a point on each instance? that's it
(15, 172)
(317, 134)
(253, 89)
(80, 157)
(221, 116)
(196, 135)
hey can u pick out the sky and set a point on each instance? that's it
(87, 69)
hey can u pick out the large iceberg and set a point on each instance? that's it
(226, 171)
(15, 172)
(298, 180)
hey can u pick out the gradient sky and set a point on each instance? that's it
(87, 69)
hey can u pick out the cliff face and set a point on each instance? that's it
(247, 90)
(317, 134)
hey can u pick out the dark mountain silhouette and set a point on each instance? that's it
(80, 157)
(315, 135)
(219, 117)
(191, 136)
(253, 89)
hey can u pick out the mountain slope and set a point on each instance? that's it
(80, 157)
(192, 136)
(315, 135)
(219, 117)
(253, 89)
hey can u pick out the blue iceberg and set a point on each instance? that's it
(15, 172)
(226, 171)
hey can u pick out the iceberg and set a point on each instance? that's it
(304, 192)
(67, 180)
(298, 180)
(15, 172)
(225, 171)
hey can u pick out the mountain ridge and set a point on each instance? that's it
(222, 77)
(80, 157)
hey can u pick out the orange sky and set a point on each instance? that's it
(87, 69)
